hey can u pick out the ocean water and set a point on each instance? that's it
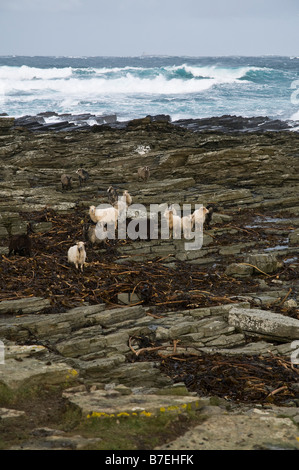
(132, 87)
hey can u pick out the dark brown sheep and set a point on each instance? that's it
(209, 216)
(21, 244)
(83, 175)
(66, 181)
(112, 194)
(143, 173)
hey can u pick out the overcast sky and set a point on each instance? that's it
(155, 27)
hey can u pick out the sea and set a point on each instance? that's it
(134, 87)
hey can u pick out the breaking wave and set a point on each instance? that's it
(133, 88)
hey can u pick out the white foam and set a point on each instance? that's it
(28, 80)
(94, 87)
(30, 73)
(295, 116)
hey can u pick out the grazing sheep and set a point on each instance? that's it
(143, 173)
(77, 255)
(104, 215)
(199, 216)
(66, 181)
(21, 244)
(83, 175)
(112, 195)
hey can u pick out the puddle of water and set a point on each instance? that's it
(260, 221)
(271, 219)
(291, 260)
(277, 248)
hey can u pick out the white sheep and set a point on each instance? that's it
(174, 222)
(104, 215)
(177, 224)
(127, 198)
(142, 149)
(187, 226)
(199, 216)
(77, 255)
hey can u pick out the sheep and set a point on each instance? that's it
(21, 244)
(209, 216)
(66, 181)
(122, 204)
(143, 173)
(199, 216)
(77, 255)
(89, 232)
(121, 207)
(127, 198)
(104, 215)
(174, 222)
(112, 194)
(142, 149)
(187, 225)
(177, 224)
(83, 175)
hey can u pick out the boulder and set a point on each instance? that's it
(239, 270)
(264, 322)
(265, 262)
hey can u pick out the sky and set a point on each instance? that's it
(154, 27)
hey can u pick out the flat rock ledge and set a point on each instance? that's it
(91, 351)
(94, 369)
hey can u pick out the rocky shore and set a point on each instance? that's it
(149, 328)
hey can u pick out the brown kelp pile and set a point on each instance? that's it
(159, 286)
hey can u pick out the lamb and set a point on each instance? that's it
(77, 255)
(112, 194)
(143, 173)
(21, 244)
(83, 175)
(66, 181)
